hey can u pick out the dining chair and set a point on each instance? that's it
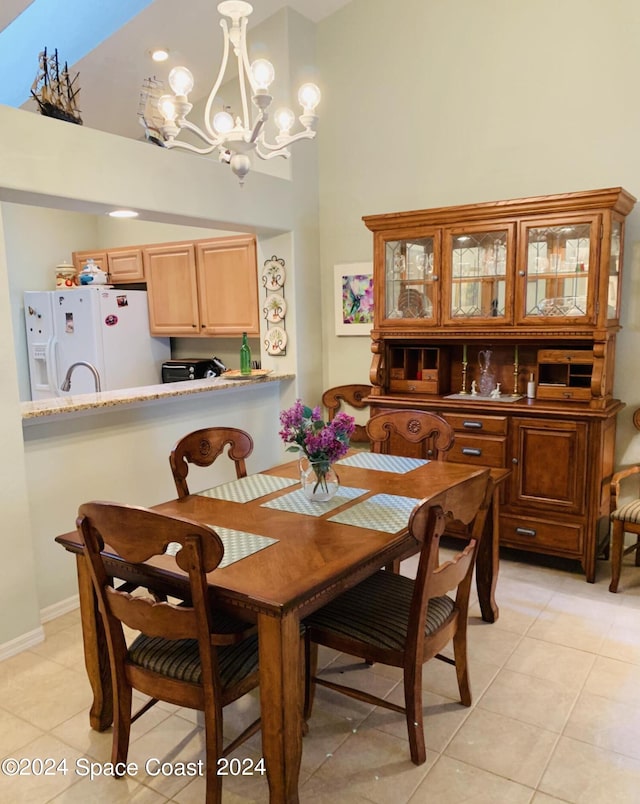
(190, 654)
(202, 447)
(353, 396)
(625, 518)
(398, 621)
(416, 433)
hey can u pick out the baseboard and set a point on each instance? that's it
(58, 609)
(21, 643)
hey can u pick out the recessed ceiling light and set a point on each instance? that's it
(123, 213)
(160, 54)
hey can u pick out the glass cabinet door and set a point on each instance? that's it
(411, 280)
(615, 264)
(557, 263)
(478, 275)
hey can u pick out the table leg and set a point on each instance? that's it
(96, 656)
(281, 704)
(488, 561)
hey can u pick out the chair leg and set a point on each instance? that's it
(462, 668)
(121, 724)
(638, 551)
(213, 750)
(310, 670)
(413, 714)
(617, 546)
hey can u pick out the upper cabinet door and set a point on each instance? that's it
(172, 289)
(125, 265)
(478, 262)
(558, 270)
(409, 294)
(228, 286)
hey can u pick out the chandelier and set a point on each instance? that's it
(235, 139)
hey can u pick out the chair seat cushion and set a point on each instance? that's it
(377, 610)
(628, 513)
(180, 658)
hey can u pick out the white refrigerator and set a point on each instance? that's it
(104, 327)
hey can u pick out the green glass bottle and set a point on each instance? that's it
(245, 356)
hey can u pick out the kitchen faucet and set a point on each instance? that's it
(66, 385)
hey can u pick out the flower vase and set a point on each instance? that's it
(319, 480)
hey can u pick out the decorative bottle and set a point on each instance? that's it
(245, 356)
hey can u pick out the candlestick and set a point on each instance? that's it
(464, 378)
(515, 355)
(464, 353)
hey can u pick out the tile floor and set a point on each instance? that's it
(555, 717)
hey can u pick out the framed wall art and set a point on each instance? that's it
(353, 292)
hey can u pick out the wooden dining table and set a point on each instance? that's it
(306, 555)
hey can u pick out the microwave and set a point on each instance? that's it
(191, 369)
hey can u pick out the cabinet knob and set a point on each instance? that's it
(514, 461)
(435, 277)
(522, 273)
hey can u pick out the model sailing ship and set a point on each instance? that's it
(54, 91)
(149, 116)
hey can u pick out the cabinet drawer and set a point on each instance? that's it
(478, 450)
(565, 356)
(470, 423)
(415, 386)
(563, 392)
(542, 536)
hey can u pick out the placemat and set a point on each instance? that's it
(383, 463)
(245, 489)
(297, 503)
(387, 512)
(237, 544)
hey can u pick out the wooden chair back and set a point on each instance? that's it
(354, 396)
(417, 433)
(202, 447)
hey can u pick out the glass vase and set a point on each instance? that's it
(319, 480)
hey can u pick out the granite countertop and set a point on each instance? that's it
(129, 396)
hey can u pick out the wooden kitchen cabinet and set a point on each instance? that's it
(535, 281)
(203, 288)
(123, 265)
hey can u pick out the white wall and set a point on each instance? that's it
(445, 102)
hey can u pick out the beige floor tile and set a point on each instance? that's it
(543, 798)
(46, 701)
(108, 790)
(33, 786)
(616, 680)
(488, 644)
(440, 678)
(355, 673)
(372, 765)
(613, 725)
(566, 666)
(503, 746)
(450, 781)
(68, 620)
(15, 732)
(64, 647)
(329, 727)
(573, 621)
(540, 702)
(442, 719)
(579, 772)
(243, 782)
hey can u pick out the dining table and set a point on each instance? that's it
(285, 557)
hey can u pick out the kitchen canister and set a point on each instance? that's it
(65, 276)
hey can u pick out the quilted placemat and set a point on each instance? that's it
(387, 512)
(237, 544)
(245, 489)
(383, 463)
(297, 503)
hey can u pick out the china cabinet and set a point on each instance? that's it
(475, 304)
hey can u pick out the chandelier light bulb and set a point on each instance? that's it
(223, 122)
(263, 73)
(285, 119)
(167, 108)
(309, 97)
(181, 80)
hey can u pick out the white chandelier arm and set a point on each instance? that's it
(307, 134)
(271, 153)
(214, 140)
(188, 147)
(244, 69)
(216, 86)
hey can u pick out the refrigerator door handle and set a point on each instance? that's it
(50, 359)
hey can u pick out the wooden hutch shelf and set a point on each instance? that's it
(484, 297)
